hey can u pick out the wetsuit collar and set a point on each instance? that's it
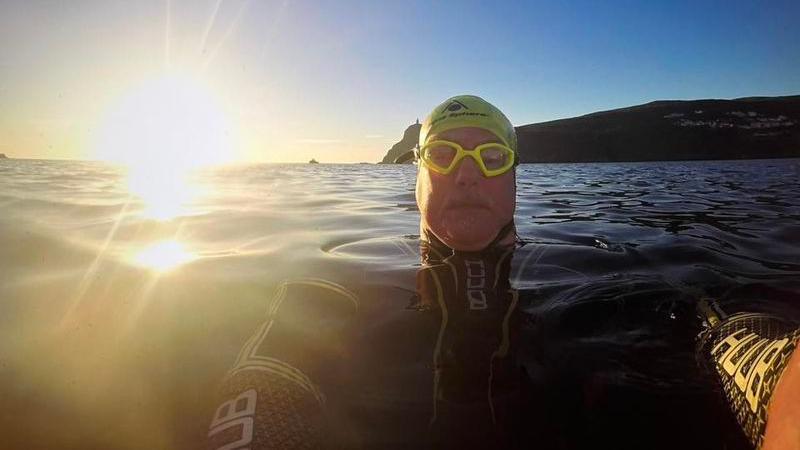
(436, 250)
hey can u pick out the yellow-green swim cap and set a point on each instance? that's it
(468, 111)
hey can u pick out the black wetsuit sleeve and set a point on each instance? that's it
(274, 396)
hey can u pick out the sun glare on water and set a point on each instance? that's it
(162, 132)
(162, 256)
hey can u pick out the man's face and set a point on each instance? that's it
(465, 209)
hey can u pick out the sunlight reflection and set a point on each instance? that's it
(163, 256)
(166, 193)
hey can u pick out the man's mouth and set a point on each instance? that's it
(468, 204)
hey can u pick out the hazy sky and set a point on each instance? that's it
(339, 80)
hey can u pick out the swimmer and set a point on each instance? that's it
(466, 184)
(466, 194)
(302, 379)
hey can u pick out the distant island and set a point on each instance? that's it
(743, 128)
(3, 156)
(313, 161)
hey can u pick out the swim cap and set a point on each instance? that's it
(468, 111)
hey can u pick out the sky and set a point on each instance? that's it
(339, 81)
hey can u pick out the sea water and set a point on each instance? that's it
(125, 297)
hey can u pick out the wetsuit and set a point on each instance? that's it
(326, 370)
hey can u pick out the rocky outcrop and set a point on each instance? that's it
(3, 156)
(409, 140)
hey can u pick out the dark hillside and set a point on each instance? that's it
(752, 127)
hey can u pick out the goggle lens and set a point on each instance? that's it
(442, 155)
(495, 158)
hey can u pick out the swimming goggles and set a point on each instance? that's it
(443, 156)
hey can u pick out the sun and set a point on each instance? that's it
(160, 132)
(173, 120)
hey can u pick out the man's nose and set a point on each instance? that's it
(468, 173)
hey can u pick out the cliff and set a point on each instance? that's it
(753, 127)
(409, 140)
(743, 128)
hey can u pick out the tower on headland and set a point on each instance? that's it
(408, 142)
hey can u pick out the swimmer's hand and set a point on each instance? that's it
(783, 416)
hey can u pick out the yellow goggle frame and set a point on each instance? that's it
(428, 157)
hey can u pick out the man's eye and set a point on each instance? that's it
(494, 158)
(442, 156)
